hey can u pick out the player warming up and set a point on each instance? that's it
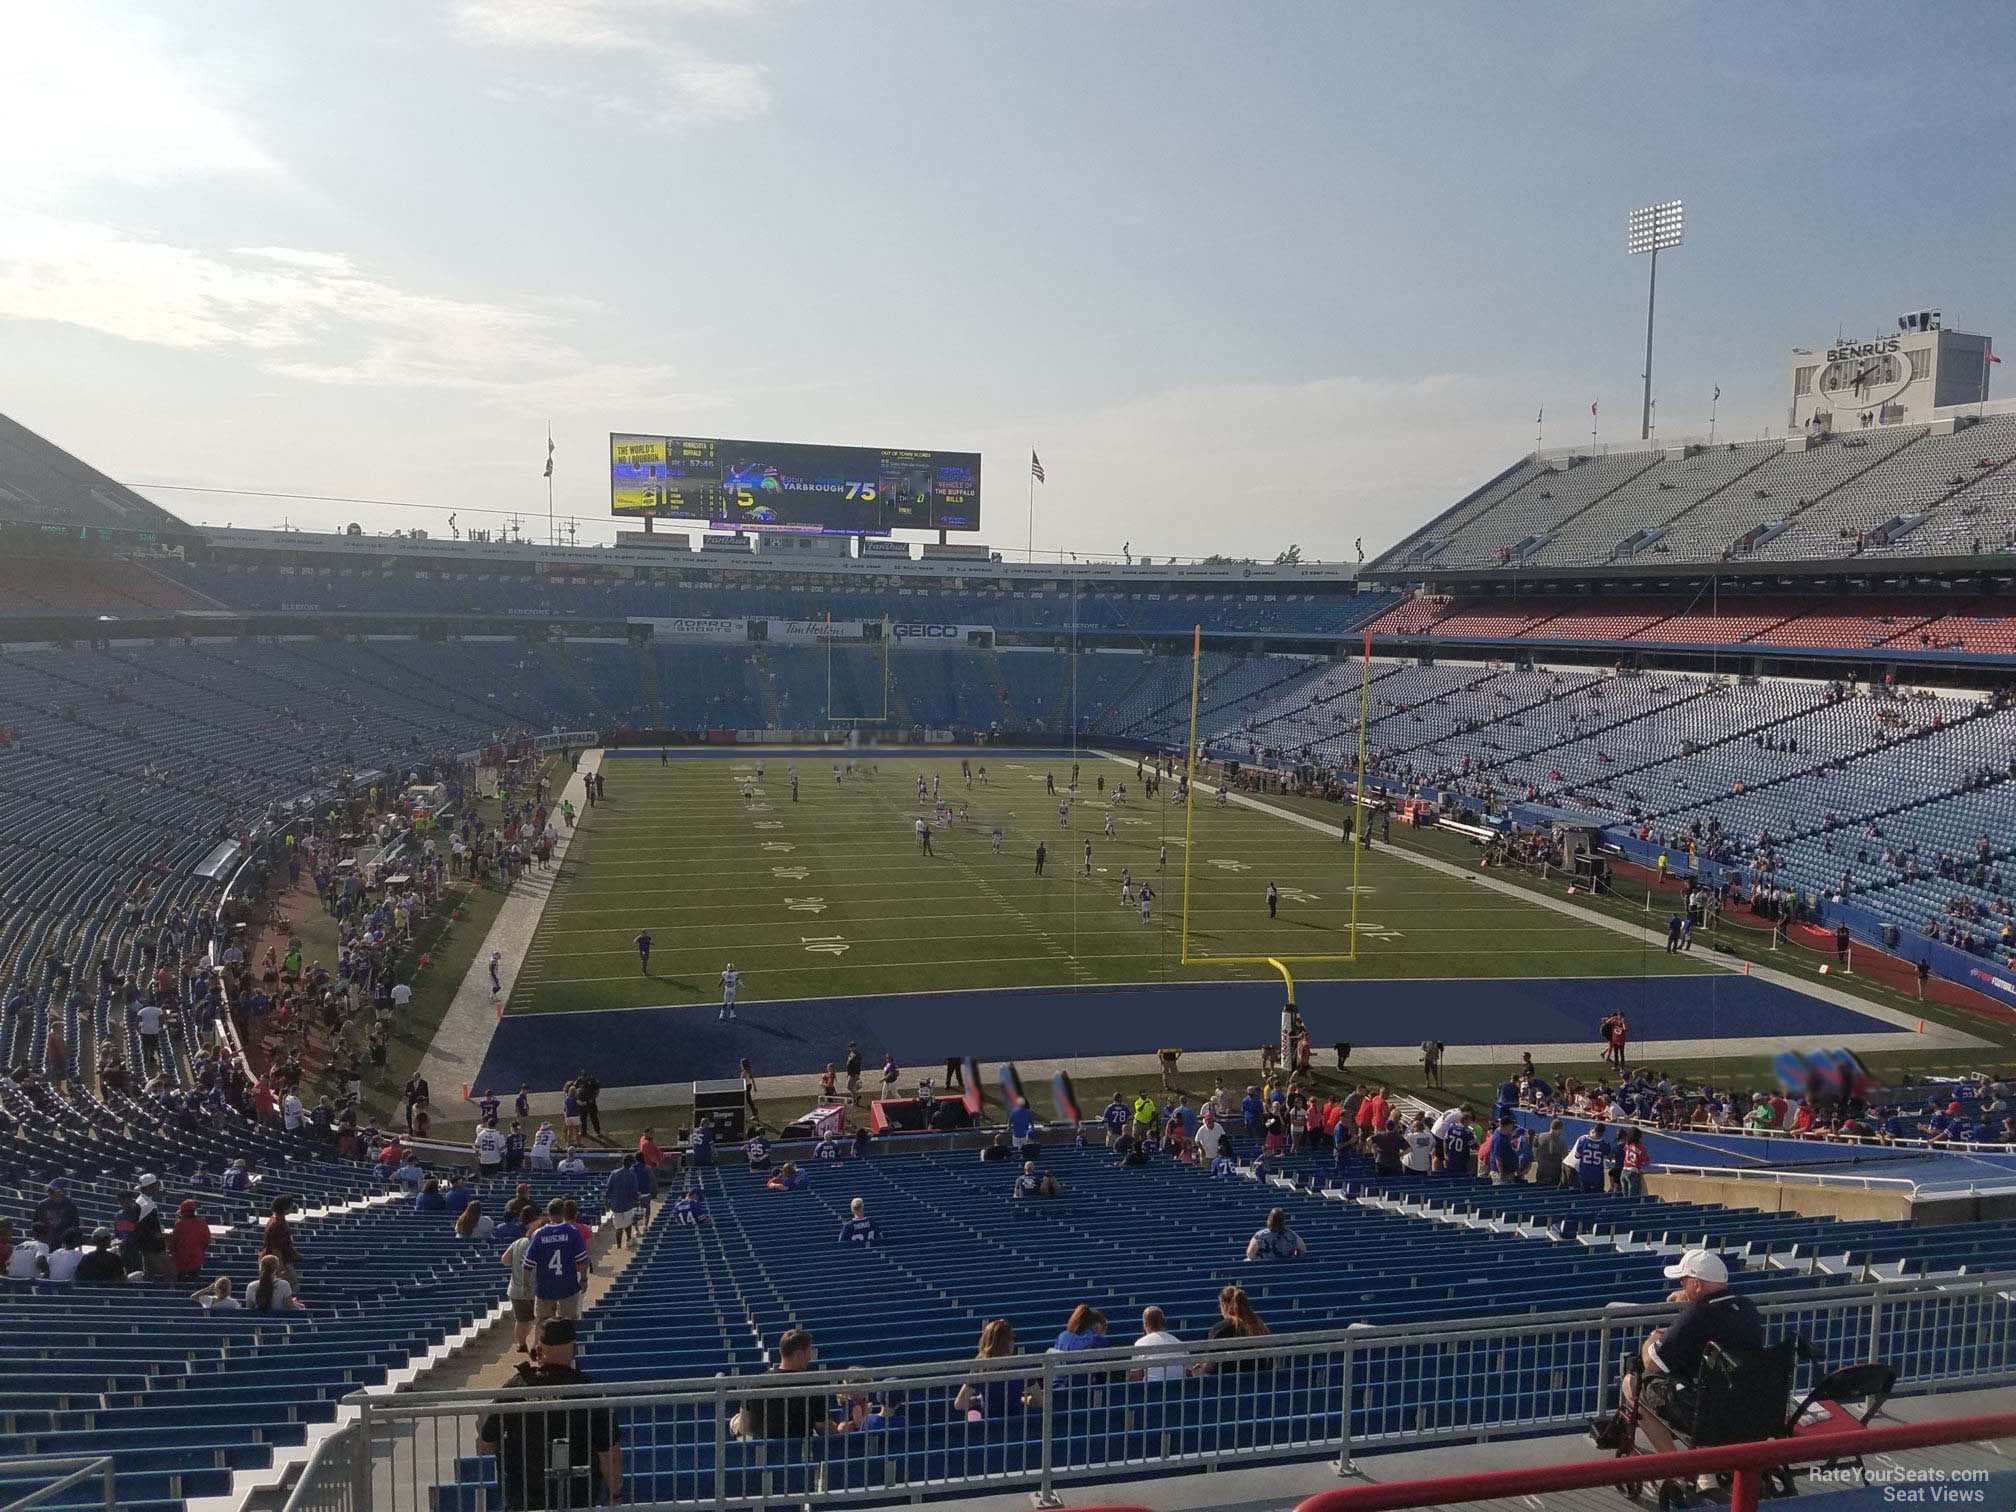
(644, 951)
(1088, 858)
(924, 837)
(731, 982)
(1147, 902)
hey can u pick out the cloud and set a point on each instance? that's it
(585, 25)
(85, 100)
(316, 317)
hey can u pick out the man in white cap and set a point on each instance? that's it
(1670, 1359)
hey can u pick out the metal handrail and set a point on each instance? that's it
(82, 1468)
(1746, 1460)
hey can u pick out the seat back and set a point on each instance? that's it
(1742, 1395)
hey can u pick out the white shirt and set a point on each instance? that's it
(573, 1165)
(290, 1112)
(282, 1294)
(402, 995)
(514, 1260)
(1161, 1339)
(1447, 1121)
(1211, 1139)
(229, 1304)
(25, 1264)
(1420, 1151)
(730, 980)
(489, 1146)
(150, 1019)
(63, 1264)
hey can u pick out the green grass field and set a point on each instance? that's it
(831, 895)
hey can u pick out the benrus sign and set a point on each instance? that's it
(1875, 348)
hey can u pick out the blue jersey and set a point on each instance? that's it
(1269, 1245)
(1022, 1123)
(1590, 1155)
(1459, 1147)
(1115, 1116)
(859, 1231)
(554, 1256)
(620, 1195)
(689, 1210)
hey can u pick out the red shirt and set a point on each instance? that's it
(649, 1153)
(280, 1240)
(189, 1243)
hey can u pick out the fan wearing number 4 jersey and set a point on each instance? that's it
(556, 1258)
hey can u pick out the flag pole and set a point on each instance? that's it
(1540, 431)
(552, 538)
(1032, 508)
(1713, 405)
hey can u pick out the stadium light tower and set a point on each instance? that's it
(1652, 230)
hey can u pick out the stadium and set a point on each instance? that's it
(796, 990)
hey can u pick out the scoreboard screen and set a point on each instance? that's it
(785, 486)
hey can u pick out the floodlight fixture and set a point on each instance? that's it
(1653, 229)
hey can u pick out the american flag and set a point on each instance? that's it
(549, 456)
(1035, 466)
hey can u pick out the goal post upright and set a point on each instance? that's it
(1359, 812)
(1190, 784)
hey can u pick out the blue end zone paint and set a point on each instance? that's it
(1933, 1171)
(647, 1046)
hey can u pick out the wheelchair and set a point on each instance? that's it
(1740, 1397)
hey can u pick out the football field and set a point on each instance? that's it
(831, 895)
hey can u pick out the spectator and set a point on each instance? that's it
(1236, 1320)
(1550, 1157)
(619, 1198)
(691, 1208)
(430, 1198)
(457, 1196)
(519, 1291)
(216, 1297)
(1276, 1241)
(150, 1242)
(571, 1164)
(1032, 1183)
(1419, 1156)
(787, 1178)
(589, 1467)
(1670, 1360)
(795, 1417)
(859, 1228)
(996, 1395)
(26, 1260)
(473, 1225)
(1636, 1161)
(189, 1243)
(272, 1291)
(1210, 1136)
(279, 1242)
(557, 1257)
(63, 1261)
(237, 1176)
(57, 1212)
(1084, 1329)
(1589, 1157)
(1388, 1146)
(102, 1264)
(1155, 1335)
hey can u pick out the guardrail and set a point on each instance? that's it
(1035, 1421)
(1746, 1461)
(67, 1473)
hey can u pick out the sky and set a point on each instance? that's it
(1245, 274)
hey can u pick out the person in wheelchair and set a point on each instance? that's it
(1661, 1394)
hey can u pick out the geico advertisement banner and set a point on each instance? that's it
(695, 629)
(920, 636)
(817, 630)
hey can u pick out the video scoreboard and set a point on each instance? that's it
(785, 486)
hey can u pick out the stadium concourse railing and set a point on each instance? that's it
(1211, 1404)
